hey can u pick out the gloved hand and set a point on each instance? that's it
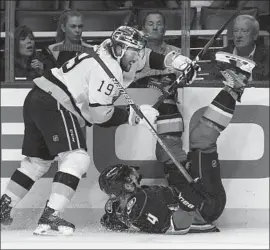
(190, 196)
(149, 112)
(183, 64)
(112, 223)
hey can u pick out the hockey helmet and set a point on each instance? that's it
(113, 178)
(128, 37)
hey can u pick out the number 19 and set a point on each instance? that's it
(108, 90)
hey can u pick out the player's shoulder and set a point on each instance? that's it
(87, 45)
(112, 64)
(136, 204)
(111, 205)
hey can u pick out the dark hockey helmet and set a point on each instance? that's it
(112, 180)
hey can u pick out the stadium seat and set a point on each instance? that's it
(104, 20)
(2, 21)
(2, 5)
(264, 21)
(172, 16)
(37, 5)
(88, 5)
(214, 18)
(38, 20)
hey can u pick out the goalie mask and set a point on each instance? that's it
(127, 37)
(115, 179)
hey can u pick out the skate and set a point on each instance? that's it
(51, 224)
(5, 210)
(235, 69)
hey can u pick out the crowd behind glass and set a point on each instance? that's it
(32, 58)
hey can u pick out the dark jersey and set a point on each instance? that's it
(148, 210)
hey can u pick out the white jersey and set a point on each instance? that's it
(83, 87)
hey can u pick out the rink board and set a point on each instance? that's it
(243, 150)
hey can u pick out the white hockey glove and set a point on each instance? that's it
(183, 64)
(149, 112)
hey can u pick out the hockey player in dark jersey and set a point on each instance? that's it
(159, 209)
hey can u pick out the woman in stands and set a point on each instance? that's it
(69, 30)
(27, 63)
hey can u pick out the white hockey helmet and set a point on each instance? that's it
(129, 37)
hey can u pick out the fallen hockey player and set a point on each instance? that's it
(160, 209)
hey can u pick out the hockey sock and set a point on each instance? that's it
(220, 112)
(18, 187)
(63, 188)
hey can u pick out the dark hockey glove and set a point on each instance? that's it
(111, 222)
(191, 196)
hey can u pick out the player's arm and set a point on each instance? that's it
(119, 116)
(175, 61)
(109, 220)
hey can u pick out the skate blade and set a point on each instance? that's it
(46, 230)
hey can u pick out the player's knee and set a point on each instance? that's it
(175, 144)
(34, 167)
(74, 162)
(203, 138)
(214, 205)
(203, 161)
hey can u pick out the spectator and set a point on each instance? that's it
(27, 63)
(69, 31)
(154, 27)
(245, 33)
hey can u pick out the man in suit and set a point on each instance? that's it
(245, 34)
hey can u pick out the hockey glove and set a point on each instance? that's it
(190, 196)
(149, 112)
(111, 222)
(183, 64)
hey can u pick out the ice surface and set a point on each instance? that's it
(257, 238)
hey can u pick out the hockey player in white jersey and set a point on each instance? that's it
(62, 101)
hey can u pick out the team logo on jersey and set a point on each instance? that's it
(130, 205)
(108, 207)
(214, 163)
(55, 138)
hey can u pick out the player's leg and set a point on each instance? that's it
(170, 128)
(36, 163)
(203, 137)
(63, 137)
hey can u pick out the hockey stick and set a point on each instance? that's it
(202, 52)
(91, 52)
